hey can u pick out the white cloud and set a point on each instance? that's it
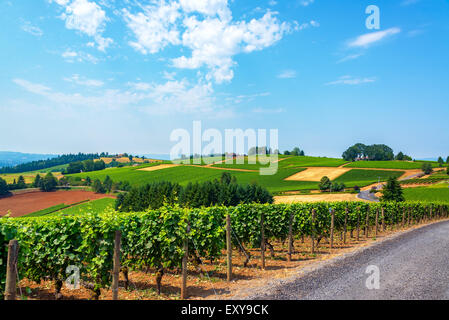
(350, 57)
(155, 27)
(268, 111)
(214, 42)
(287, 74)
(368, 39)
(208, 7)
(86, 17)
(305, 3)
(205, 28)
(171, 97)
(349, 80)
(84, 82)
(409, 2)
(72, 56)
(35, 31)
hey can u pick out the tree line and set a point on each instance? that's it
(51, 162)
(225, 192)
(375, 152)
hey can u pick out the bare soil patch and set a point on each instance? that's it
(316, 173)
(22, 204)
(316, 198)
(160, 167)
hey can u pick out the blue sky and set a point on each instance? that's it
(119, 76)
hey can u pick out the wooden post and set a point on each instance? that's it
(11, 267)
(184, 265)
(229, 247)
(262, 242)
(358, 224)
(367, 223)
(403, 217)
(116, 268)
(290, 238)
(313, 231)
(384, 227)
(346, 225)
(377, 222)
(408, 218)
(332, 227)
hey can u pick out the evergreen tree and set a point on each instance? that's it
(3, 187)
(325, 184)
(21, 183)
(37, 181)
(393, 191)
(97, 186)
(226, 178)
(107, 184)
(427, 168)
(440, 161)
(87, 181)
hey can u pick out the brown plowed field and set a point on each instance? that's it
(26, 203)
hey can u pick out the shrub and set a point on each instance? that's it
(325, 184)
(427, 168)
(48, 183)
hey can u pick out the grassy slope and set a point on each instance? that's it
(439, 192)
(389, 164)
(95, 206)
(363, 178)
(275, 183)
(185, 174)
(311, 162)
(30, 175)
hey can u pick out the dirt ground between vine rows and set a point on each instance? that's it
(22, 204)
(208, 280)
(316, 198)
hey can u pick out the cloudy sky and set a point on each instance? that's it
(120, 76)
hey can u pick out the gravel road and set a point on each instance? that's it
(413, 265)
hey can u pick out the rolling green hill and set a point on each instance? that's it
(361, 177)
(184, 174)
(438, 192)
(404, 165)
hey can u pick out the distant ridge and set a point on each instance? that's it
(10, 159)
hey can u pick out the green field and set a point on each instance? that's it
(95, 206)
(438, 192)
(363, 178)
(47, 211)
(404, 165)
(185, 174)
(30, 175)
(311, 162)
(275, 183)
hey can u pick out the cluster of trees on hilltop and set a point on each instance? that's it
(262, 150)
(295, 152)
(44, 164)
(375, 152)
(85, 166)
(224, 192)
